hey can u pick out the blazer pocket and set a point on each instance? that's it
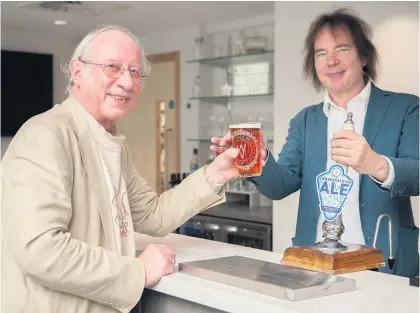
(407, 258)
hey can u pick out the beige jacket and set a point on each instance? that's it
(58, 242)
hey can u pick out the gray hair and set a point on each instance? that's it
(83, 47)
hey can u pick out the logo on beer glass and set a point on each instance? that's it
(246, 137)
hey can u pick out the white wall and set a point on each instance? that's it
(396, 36)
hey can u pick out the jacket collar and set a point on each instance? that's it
(377, 107)
(94, 169)
(362, 98)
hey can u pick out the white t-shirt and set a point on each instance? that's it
(353, 232)
(109, 146)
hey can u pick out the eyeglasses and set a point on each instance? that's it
(114, 70)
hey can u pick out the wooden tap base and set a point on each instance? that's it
(355, 258)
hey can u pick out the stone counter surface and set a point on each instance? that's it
(376, 292)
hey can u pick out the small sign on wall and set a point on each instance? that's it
(251, 79)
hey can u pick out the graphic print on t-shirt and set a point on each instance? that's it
(122, 214)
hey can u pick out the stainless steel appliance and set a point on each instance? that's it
(248, 234)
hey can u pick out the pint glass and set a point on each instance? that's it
(247, 138)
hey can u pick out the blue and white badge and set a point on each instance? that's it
(333, 187)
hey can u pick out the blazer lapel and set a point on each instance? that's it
(377, 107)
(319, 139)
(316, 147)
(94, 170)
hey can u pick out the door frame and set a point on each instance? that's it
(159, 188)
(173, 56)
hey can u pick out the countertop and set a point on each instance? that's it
(376, 292)
(241, 212)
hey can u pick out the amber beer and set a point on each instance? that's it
(247, 138)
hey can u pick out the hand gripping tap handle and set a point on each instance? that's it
(349, 125)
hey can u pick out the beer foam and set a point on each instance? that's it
(246, 125)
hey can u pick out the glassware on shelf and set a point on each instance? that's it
(248, 186)
(256, 43)
(251, 187)
(214, 126)
(221, 123)
(197, 88)
(198, 48)
(220, 51)
(230, 46)
(240, 43)
(227, 88)
(240, 184)
(219, 46)
(203, 131)
(229, 76)
(235, 184)
(213, 123)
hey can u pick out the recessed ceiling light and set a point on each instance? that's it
(60, 22)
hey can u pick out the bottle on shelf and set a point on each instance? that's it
(194, 161)
(172, 181)
(176, 179)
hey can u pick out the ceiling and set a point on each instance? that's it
(144, 17)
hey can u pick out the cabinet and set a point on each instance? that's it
(232, 87)
(236, 86)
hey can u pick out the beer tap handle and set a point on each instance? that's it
(348, 125)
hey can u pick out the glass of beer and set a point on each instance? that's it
(247, 138)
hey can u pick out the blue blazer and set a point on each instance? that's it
(392, 129)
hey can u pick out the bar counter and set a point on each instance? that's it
(180, 293)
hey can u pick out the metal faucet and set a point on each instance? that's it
(391, 260)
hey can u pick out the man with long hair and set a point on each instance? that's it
(382, 154)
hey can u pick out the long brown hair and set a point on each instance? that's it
(361, 33)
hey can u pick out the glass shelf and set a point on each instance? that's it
(208, 140)
(226, 61)
(225, 99)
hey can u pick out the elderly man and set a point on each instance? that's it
(72, 200)
(382, 153)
